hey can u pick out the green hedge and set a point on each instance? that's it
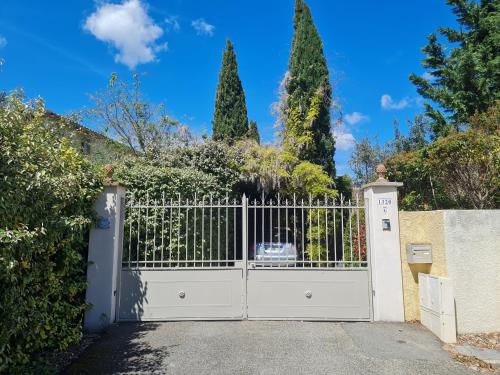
(47, 191)
(205, 169)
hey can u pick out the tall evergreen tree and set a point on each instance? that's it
(465, 79)
(230, 120)
(253, 131)
(307, 130)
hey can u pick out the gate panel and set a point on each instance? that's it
(309, 294)
(308, 259)
(225, 259)
(182, 260)
(181, 294)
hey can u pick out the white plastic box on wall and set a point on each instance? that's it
(437, 306)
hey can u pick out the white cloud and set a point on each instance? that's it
(387, 102)
(172, 23)
(344, 139)
(3, 41)
(202, 27)
(129, 29)
(355, 118)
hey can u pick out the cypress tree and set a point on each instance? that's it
(307, 130)
(253, 131)
(230, 120)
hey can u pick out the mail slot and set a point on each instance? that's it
(419, 252)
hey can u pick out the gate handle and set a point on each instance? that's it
(308, 294)
(182, 294)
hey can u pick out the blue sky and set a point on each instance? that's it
(64, 50)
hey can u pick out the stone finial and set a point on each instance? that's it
(109, 169)
(381, 171)
(381, 180)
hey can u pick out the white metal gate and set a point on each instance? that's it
(239, 259)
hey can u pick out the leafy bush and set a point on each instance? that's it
(47, 191)
(468, 167)
(216, 159)
(421, 190)
(203, 169)
(457, 171)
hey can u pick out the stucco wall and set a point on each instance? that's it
(472, 239)
(420, 227)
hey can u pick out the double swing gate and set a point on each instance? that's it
(208, 259)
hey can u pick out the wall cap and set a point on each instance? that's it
(381, 183)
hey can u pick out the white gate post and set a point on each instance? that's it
(381, 200)
(104, 257)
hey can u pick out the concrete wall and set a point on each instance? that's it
(420, 227)
(466, 248)
(473, 255)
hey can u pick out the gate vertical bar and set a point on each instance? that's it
(295, 227)
(218, 232)
(326, 233)
(244, 251)
(154, 232)
(138, 234)
(170, 234)
(254, 228)
(210, 237)
(234, 230)
(194, 237)
(262, 224)
(319, 236)
(187, 234)
(227, 228)
(130, 236)
(147, 222)
(203, 232)
(179, 231)
(162, 228)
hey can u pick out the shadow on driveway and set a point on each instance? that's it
(122, 349)
(267, 348)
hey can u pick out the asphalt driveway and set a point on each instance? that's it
(254, 347)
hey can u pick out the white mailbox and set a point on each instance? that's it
(419, 253)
